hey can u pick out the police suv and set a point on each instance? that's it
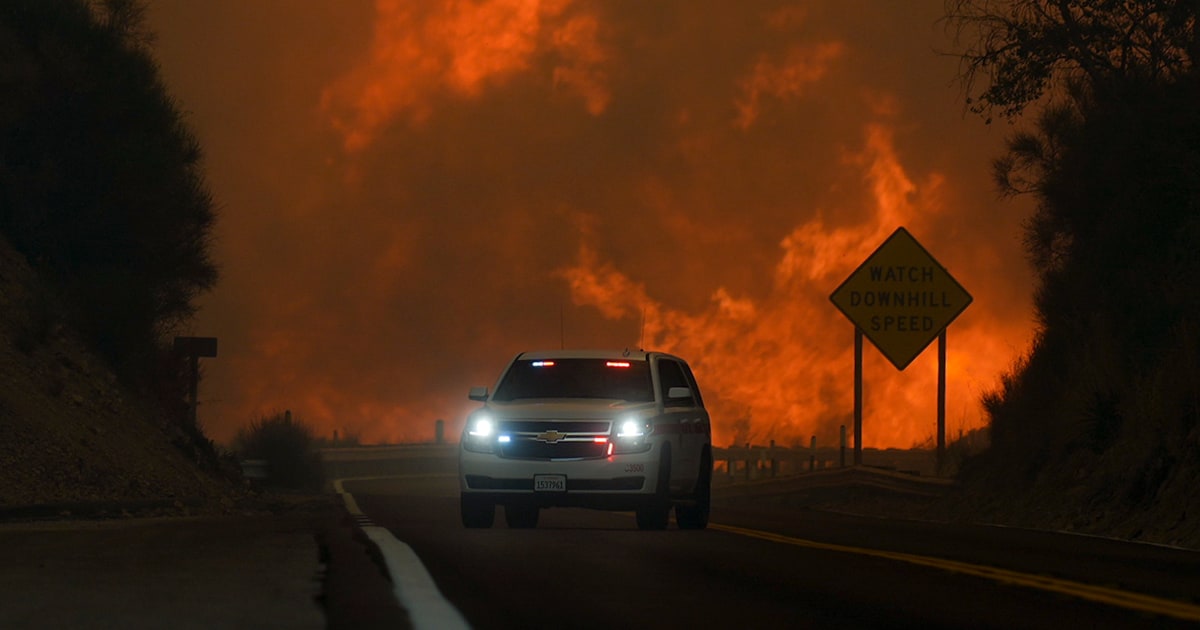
(615, 430)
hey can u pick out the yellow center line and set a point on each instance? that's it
(1100, 594)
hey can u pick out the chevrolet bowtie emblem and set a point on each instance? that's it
(551, 436)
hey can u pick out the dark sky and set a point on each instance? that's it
(412, 192)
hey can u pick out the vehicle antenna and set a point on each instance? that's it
(562, 334)
(642, 332)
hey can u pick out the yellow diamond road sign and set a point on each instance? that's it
(901, 298)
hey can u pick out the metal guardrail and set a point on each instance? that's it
(255, 469)
(836, 486)
(761, 462)
(358, 461)
(744, 462)
(384, 451)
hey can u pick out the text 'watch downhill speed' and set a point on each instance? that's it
(611, 430)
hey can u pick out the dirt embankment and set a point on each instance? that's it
(70, 434)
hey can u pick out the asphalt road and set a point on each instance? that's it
(756, 567)
(776, 568)
(222, 572)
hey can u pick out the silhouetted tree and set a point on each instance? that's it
(1110, 388)
(1022, 48)
(100, 179)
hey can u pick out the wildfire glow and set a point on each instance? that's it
(415, 191)
(786, 79)
(424, 52)
(777, 368)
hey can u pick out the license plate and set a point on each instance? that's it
(549, 483)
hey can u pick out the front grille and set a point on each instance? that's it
(554, 439)
(597, 427)
(532, 449)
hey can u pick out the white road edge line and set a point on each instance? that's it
(412, 586)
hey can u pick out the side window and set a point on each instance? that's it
(692, 383)
(670, 374)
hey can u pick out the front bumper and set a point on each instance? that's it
(618, 482)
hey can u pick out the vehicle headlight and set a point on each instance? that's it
(481, 426)
(481, 434)
(631, 435)
(631, 427)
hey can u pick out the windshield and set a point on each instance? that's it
(619, 379)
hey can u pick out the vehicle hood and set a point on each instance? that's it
(565, 409)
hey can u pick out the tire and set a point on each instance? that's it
(657, 512)
(521, 516)
(477, 513)
(695, 515)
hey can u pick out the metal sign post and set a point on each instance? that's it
(193, 348)
(941, 403)
(900, 298)
(858, 391)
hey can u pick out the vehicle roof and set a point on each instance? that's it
(631, 355)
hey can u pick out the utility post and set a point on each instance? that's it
(774, 461)
(842, 453)
(193, 348)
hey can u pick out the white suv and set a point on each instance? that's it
(616, 430)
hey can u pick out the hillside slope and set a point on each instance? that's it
(69, 432)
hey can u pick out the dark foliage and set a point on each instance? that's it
(1108, 398)
(1020, 49)
(100, 180)
(289, 448)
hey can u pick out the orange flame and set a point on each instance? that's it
(424, 52)
(780, 367)
(786, 80)
(388, 291)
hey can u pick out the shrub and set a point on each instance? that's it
(288, 447)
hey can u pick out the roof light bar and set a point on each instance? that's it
(542, 364)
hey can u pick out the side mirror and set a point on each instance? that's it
(478, 393)
(676, 393)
